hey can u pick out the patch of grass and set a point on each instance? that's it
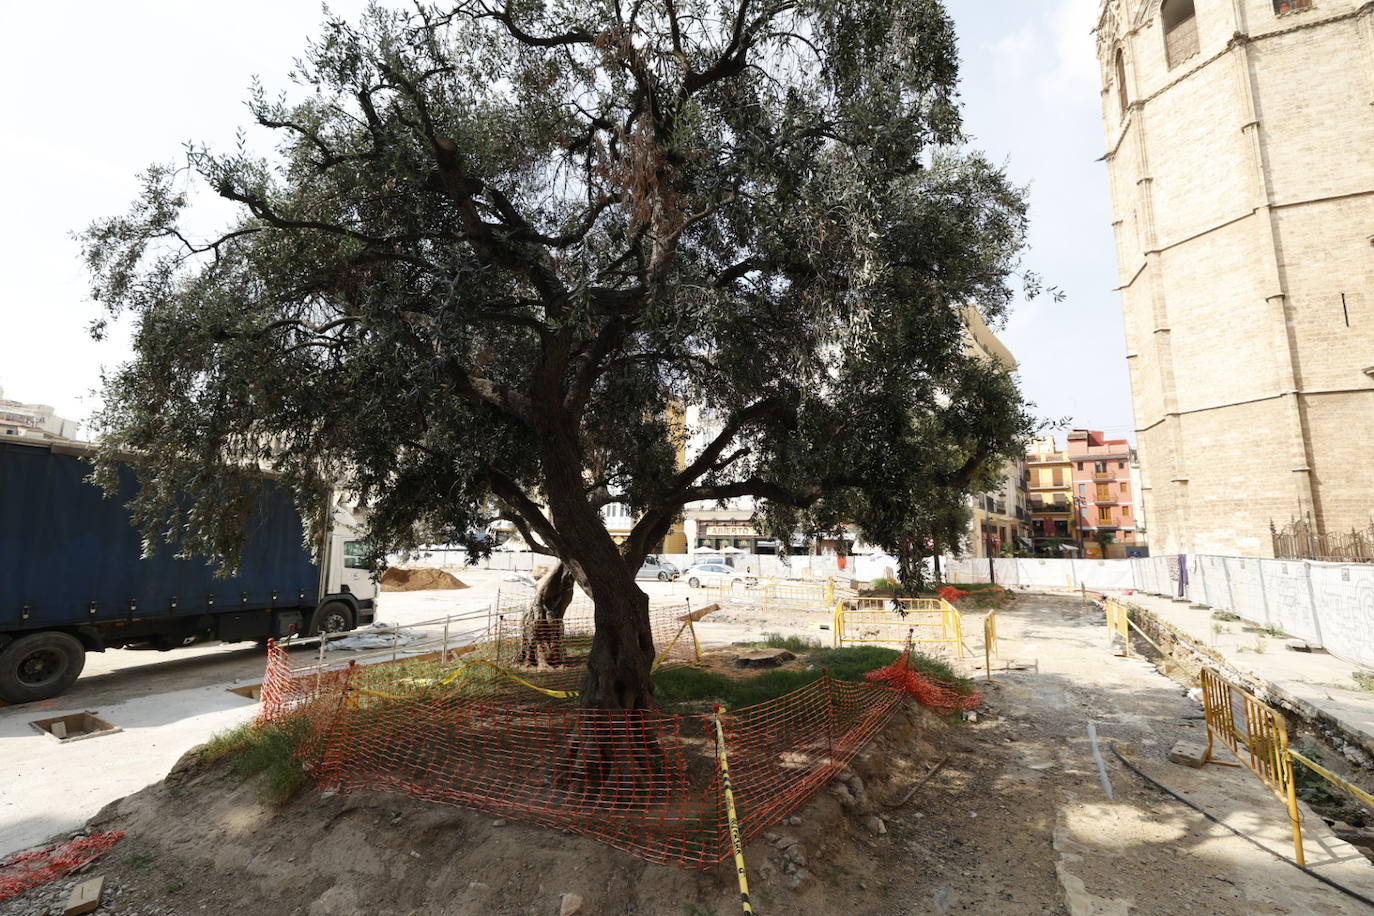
(1363, 680)
(798, 644)
(1225, 615)
(852, 662)
(675, 686)
(1275, 632)
(267, 752)
(142, 861)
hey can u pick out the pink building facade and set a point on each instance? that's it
(1104, 500)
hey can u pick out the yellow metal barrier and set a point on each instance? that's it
(1257, 735)
(1338, 782)
(726, 592)
(799, 596)
(989, 643)
(1119, 625)
(894, 621)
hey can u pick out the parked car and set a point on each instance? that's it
(716, 575)
(654, 568)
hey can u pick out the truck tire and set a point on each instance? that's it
(334, 617)
(39, 666)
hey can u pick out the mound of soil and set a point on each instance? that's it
(201, 838)
(398, 579)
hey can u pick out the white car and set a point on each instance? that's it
(716, 575)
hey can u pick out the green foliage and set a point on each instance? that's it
(267, 752)
(884, 584)
(499, 247)
(1363, 680)
(493, 252)
(1225, 615)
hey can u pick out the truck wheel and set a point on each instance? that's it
(334, 617)
(663, 577)
(693, 582)
(39, 666)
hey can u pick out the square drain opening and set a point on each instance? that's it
(252, 692)
(76, 726)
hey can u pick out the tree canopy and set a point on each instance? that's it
(501, 244)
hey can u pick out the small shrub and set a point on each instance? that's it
(1225, 615)
(1363, 680)
(266, 751)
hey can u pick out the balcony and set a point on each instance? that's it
(1044, 508)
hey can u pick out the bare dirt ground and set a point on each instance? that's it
(1016, 821)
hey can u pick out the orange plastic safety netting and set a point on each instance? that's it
(554, 651)
(928, 691)
(24, 870)
(496, 727)
(952, 594)
(513, 742)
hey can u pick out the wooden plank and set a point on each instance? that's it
(85, 897)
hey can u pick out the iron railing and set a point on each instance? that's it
(1301, 538)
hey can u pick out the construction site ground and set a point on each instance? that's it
(1015, 821)
(1314, 681)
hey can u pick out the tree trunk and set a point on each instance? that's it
(622, 653)
(622, 656)
(541, 632)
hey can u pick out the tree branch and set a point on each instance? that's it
(510, 493)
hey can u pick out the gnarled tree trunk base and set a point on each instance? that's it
(541, 631)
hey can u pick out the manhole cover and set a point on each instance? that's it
(252, 692)
(76, 726)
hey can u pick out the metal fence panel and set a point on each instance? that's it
(1344, 597)
(1290, 599)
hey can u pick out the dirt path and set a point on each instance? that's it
(1046, 839)
(1015, 822)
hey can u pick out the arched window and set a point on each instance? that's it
(1121, 95)
(1180, 30)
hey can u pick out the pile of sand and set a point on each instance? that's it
(396, 579)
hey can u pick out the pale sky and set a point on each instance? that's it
(101, 93)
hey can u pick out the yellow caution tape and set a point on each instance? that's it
(457, 672)
(735, 843)
(556, 694)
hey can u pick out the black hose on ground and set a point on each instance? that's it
(1216, 820)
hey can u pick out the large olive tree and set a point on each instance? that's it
(499, 246)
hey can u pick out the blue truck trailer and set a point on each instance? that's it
(73, 578)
